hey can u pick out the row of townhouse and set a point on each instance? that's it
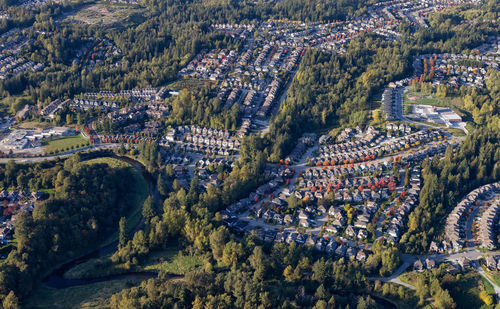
(235, 30)
(392, 101)
(298, 151)
(54, 108)
(244, 129)
(327, 178)
(127, 138)
(86, 104)
(206, 149)
(427, 151)
(202, 131)
(334, 172)
(212, 141)
(271, 93)
(331, 155)
(137, 93)
(455, 223)
(262, 56)
(487, 224)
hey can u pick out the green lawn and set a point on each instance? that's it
(425, 99)
(170, 260)
(65, 143)
(422, 98)
(112, 162)
(96, 295)
(493, 275)
(34, 125)
(105, 13)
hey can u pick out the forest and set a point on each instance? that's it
(85, 206)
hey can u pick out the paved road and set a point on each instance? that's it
(482, 273)
(469, 238)
(408, 259)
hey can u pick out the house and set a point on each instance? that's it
(341, 250)
(310, 241)
(303, 215)
(304, 223)
(490, 262)
(331, 229)
(362, 234)
(418, 266)
(350, 231)
(430, 263)
(464, 262)
(334, 212)
(280, 237)
(361, 256)
(322, 209)
(351, 253)
(332, 245)
(288, 219)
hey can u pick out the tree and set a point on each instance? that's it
(258, 260)
(321, 292)
(292, 201)
(486, 298)
(217, 242)
(123, 236)
(11, 301)
(162, 185)
(148, 209)
(288, 273)
(320, 270)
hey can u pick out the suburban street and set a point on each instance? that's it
(408, 259)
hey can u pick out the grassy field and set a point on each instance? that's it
(425, 99)
(493, 275)
(105, 13)
(34, 125)
(422, 98)
(65, 143)
(170, 260)
(112, 162)
(96, 295)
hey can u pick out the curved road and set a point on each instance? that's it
(408, 259)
